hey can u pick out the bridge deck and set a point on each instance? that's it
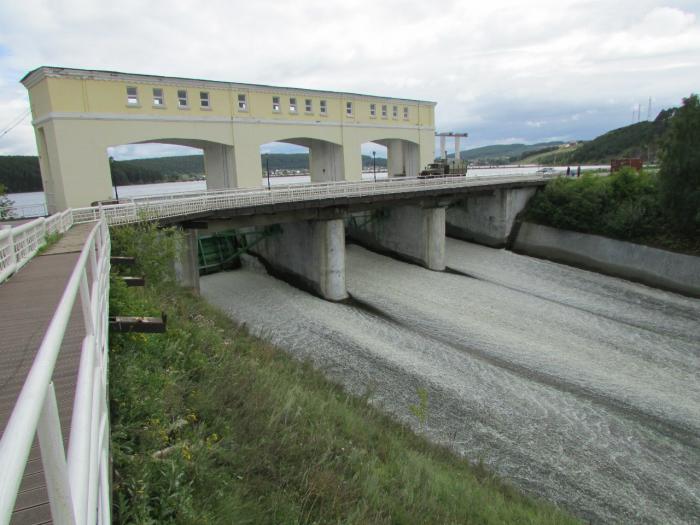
(28, 301)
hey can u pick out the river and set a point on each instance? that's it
(576, 387)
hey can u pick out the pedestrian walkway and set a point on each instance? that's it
(28, 301)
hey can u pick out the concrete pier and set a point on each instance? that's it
(187, 265)
(415, 233)
(312, 253)
(487, 218)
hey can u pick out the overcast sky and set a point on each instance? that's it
(503, 71)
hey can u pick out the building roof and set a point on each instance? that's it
(38, 74)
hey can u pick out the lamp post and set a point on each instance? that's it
(267, 165)
(374, 165)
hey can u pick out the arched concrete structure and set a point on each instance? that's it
(77, 114)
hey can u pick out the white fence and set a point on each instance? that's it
(183, 204)
(20, 243)
(77, 482)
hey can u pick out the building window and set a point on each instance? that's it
(158, 100)
(395, 112)
(204, 99)
(275, 104)
(182, 98)
(323, 107)
(132, 96)
(348, 109)
(383, 110)
(372, 110)
(242, 103)
(292, 105)
(405, 112)
(308, 106)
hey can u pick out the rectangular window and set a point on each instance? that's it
(182, 98)
(383, 110)
(348, 109)
(395, 112)
(158, 99)
(292, 105)
(132, 96)
(323, 107)
(204, 99)
(372, 110)
(242, 103)
(308, 106)
(275, 104)
(405, 112)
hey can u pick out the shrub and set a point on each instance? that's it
(624, 205)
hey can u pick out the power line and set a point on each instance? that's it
(14, 123)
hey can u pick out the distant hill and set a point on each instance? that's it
(504, 153)
(642, 139)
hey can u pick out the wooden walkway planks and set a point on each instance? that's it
(28, 301)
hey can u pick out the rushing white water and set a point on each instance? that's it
(579, 388)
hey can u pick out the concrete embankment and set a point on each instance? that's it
(660, 268)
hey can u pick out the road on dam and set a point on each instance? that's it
(576, 387)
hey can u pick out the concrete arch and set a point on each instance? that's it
(402, 157)
(326, 158)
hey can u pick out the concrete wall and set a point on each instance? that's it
(187, 264)
(487, 218)
(659, 268)
(411, 232)
(312, 253)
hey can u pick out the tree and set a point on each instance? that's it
(679, 177)
(5, 204)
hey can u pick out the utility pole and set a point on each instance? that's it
(374, 165)
(649, 110)
(267, 165)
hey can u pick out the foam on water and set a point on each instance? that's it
(578, 388)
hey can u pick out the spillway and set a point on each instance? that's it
(578, 388)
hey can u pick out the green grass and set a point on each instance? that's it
(212, 425)
(51, 239)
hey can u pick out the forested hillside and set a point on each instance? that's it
(642, 139)
(504, 153)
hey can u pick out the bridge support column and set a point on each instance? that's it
(326, 161)
(403, 158)
(488, 218)
(310, 253)
(187, 264)
(414, 233)
(68, 151)
(219, 166)
(394, 158)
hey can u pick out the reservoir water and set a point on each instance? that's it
(576, 387)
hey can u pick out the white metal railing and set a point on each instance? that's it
(183, 204)
(77, 482)
(20, 243)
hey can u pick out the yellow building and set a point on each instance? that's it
(77, 114)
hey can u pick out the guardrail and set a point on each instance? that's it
(20, 243)
(182, 204)
(77, 483)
